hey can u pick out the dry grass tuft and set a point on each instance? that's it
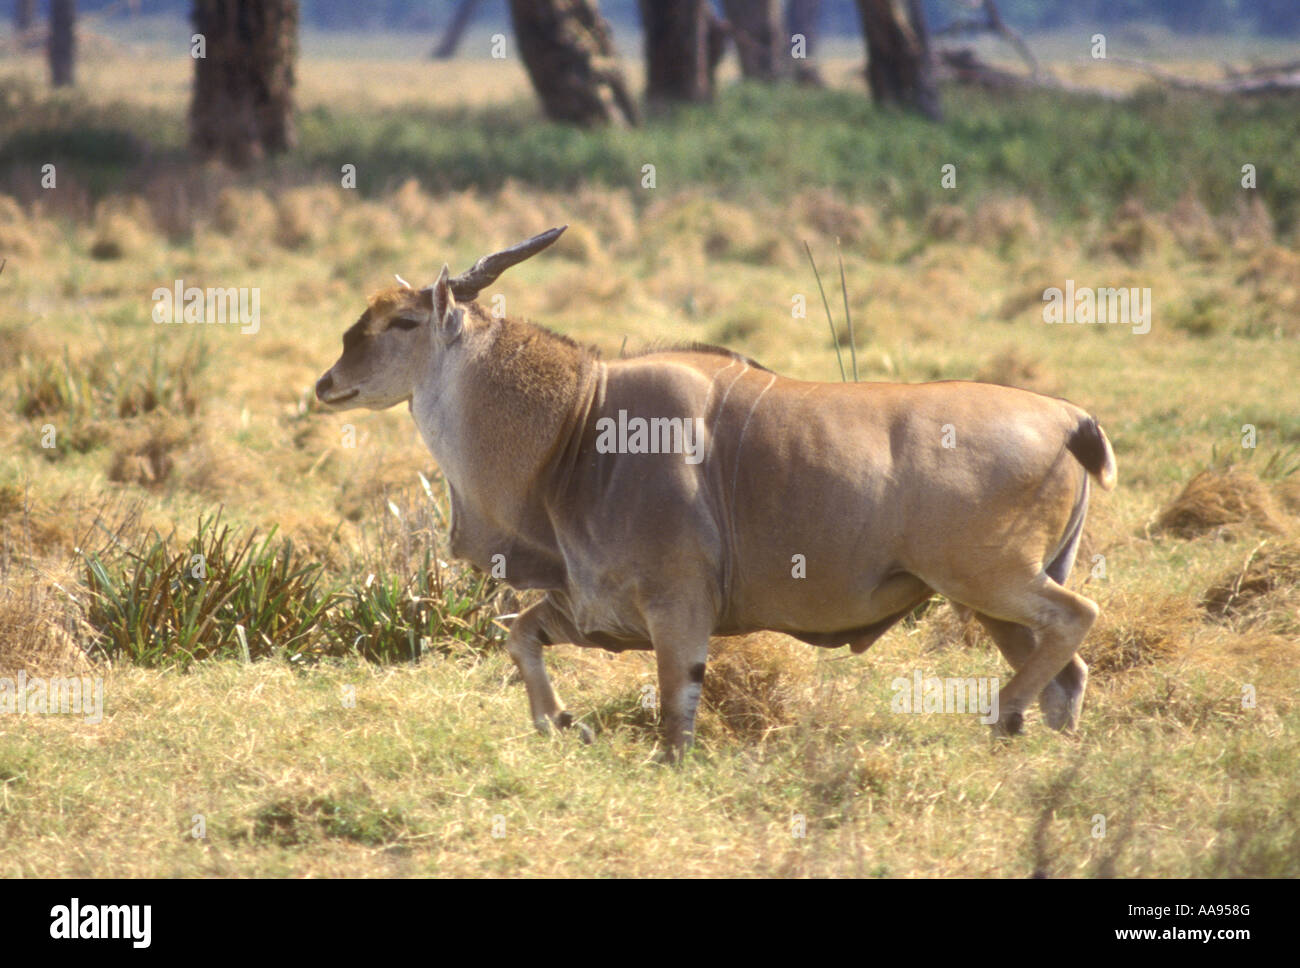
(1251, 223)
(721, 230)
(611, 214)
(116, 237)
(1014, 368)
(245, 213)
(1131, 633)
(1217, 499)
(16, 235)
(943, 627)
(413, 207)
(1266, 588)
(379, 229)
(1003, 222)
(124, 226)
(1272, 278)
(1288, 493)
(581, 245)
(1194, 229)
(463, 217)
(825, 212)
(215, 467)
(1136, 233)
(754, 682)
(303, 215)
(144, 454)
(945, 222)
(33, 530)
(33, 627)
(1275, 267)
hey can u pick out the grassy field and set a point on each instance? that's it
(331, 697)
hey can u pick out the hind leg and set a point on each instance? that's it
(1058, 620)
(1062, 698)
(1054, 620)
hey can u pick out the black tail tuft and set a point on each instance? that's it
(1090, 447)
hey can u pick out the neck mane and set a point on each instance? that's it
(527, 365)
(524, 389)
(520, 395)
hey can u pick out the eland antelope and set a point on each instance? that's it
(642, 539)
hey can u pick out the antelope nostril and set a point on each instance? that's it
(323, 386)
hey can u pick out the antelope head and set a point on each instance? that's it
(405, 333)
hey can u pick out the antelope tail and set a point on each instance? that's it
(1091, 447)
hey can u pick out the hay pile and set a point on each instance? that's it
(304, 216)
(245, 213)
(1216, 499)
(1265, 588)
(124, 226)
(1135, 233)
(143, 451)
(754, 682)
(1131, 633)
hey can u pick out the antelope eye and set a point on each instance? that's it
(403, 323)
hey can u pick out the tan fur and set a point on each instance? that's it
(651, 551)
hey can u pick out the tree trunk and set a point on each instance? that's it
(24, 14)
(568, 50)
(677, 50)
(63, 41)
(900, 66)
(460, 19)
(242, 107)
(759, 34)
(803, 18)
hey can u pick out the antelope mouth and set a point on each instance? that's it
(342, 397)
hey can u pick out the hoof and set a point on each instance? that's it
(1055, 705)
(1009, 724)
(1060, 708)
(566, 721)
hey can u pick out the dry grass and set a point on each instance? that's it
(411, 778)
(34, 628)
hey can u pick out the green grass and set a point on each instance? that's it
(225, 593)
(391, 617)
(219, 595)
(1075, 157)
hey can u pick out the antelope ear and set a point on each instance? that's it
(447, 316)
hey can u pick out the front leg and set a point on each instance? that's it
(681, 644)
(527, 636)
